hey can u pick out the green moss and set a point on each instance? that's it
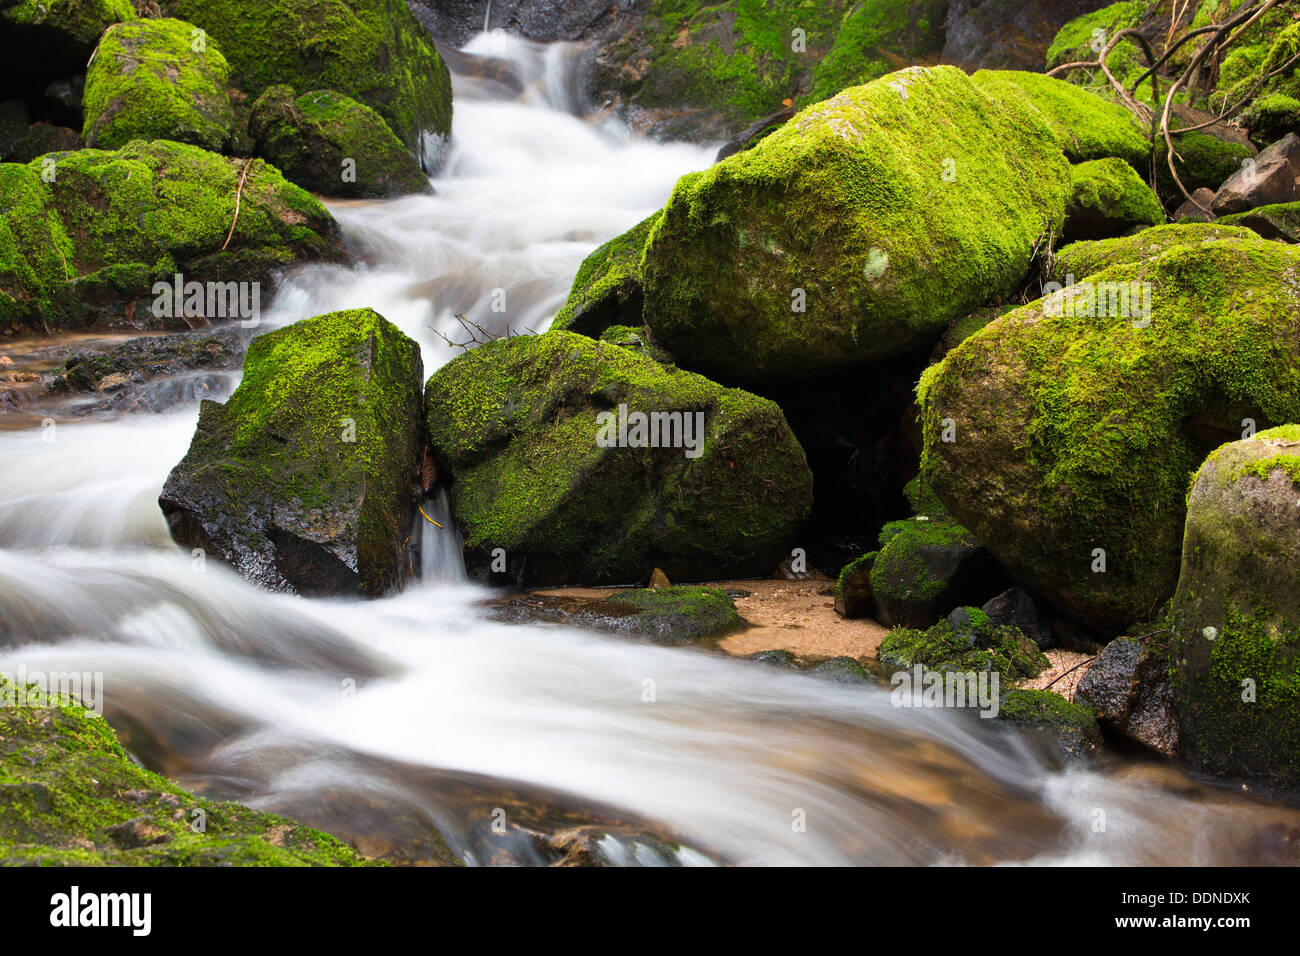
(607, 289)
(1201, 160)
(1271, 117)
(1080, 259)
(1276, 221)
(147, 81)
(1003, 650)
(1075, 40)
(875, 38)
(1088, 126)
(81, 20)
(280, 454)
(839, 203)
(1288, 464)
(1073, 725)
(66, 783)
(905, 568)
(374, 51)
(1080, 431)
(516, 422)
(1108, 197)
(117, 221)
(680, 615)
(853, 587)
(331, 144)
(922, 498)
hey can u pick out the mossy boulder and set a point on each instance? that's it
(607, 289)
(1201, 159)
(1271, 117)
(927, 566)
(71, 796)
(1108, 198)
(882, 213)
(968, 642)
(1235, 644)
(853, 588)
(85, 235)
(157, 79)
(527, 430)
(676, 615)
(1064, 433)
(41, 40)
(1081, 40)
(1071, 725)
(333, 145)
(1088, 126)
(875, 38)
(374, 51)
(307, 479)
(1078, 259)
(1280, 221)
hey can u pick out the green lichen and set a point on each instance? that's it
(607, 289)
(1079, 431)
(1088, 126)
(157, 79)
(834, 212)
(333, 145)
(516, 424)
(67, 788)
(374, 51)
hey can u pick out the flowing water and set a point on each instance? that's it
(420, 729)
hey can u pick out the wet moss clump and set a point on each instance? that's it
(517, 426)
(148, 81)
(333, 145)
(1081, 259)
(1277, 221)
(71, 796)
(1079, 424)
(1072, 725)
(1107, 198)
(978, 645)
(818, 249)
(607, 289)
(678, 614)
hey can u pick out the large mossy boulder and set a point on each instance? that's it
(307, 479)
(1063, 434)
(1088, 126)
(85, 235)
(71, 796)
(157, 79)
(529, 430)
(607, 289)
(1107, 198)
(855, 232)
(333, 145)
(374, 51)
(42, 40)
(1235, 645)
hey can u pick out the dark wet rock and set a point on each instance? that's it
(750, 136)
(1269, 179)
(137, 361)
(1017, 608)
(778, 658)
(43, 138)
(1195, 211)
(853, 588)
(1072, 726)
(307, 478)
(1128, 687)
(672, 616)
(842, 670)
(1007, 34)
(62, 100)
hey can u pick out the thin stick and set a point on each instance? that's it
(239, 191)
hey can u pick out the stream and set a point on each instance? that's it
(419, 729)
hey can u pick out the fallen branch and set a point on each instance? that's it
(239, 191)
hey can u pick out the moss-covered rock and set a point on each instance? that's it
(1079, 259)
(1271, 117)
(308, 477)
(974, 645)
(1075, 422)
(41, 40)
(882, 213)
(537, 469)
(1201, 160)
(638, 340)
(678, 615)
(333, 145)
(157, 79)
(85, 235)
(853, 588)
(1088, 126)
(71, 796)
(1235, 645)
(875, 38)
(1279, 221)
(1081, 40)
(1073, 726)
(1108, 198)
(374, 51)
(607, 289)
(927, 566)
